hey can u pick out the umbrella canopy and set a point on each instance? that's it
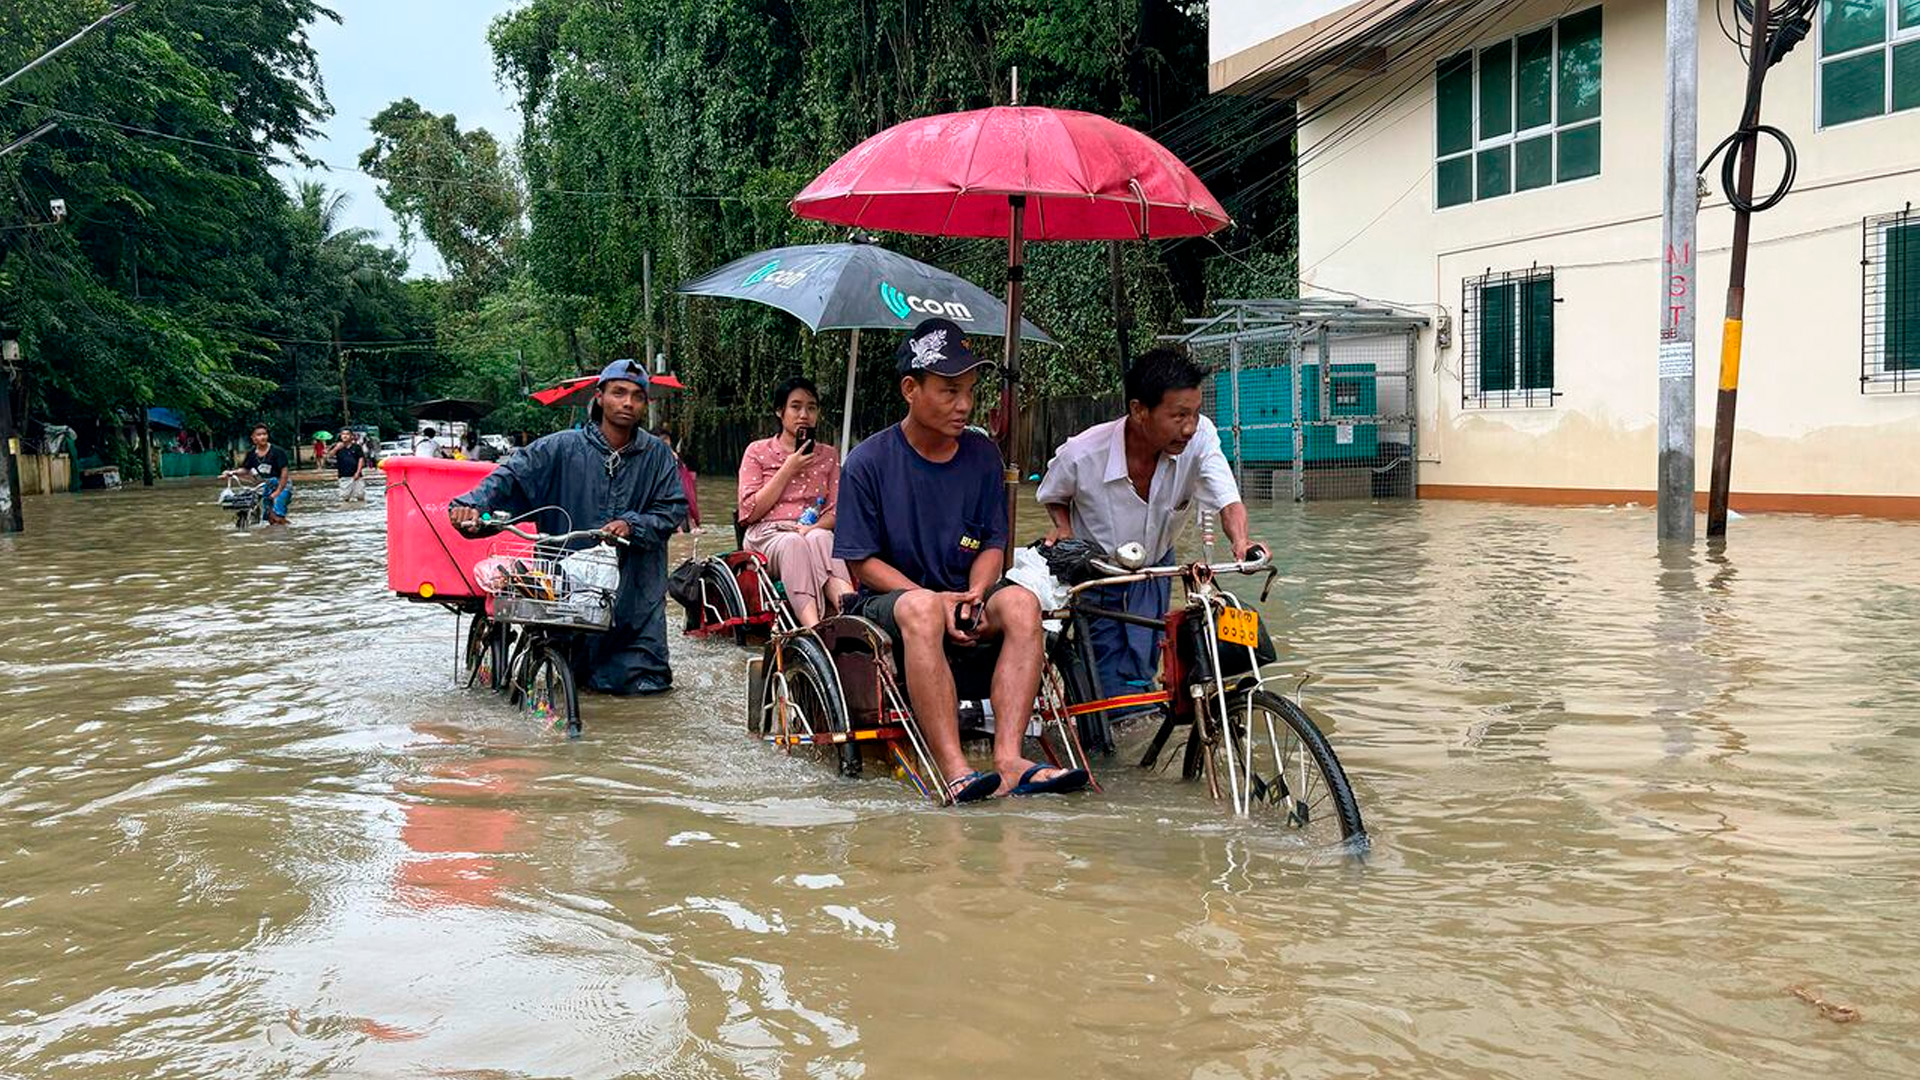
(579, 390)
(1080, 176)
(323, 436)
(857, 287)
(1044, 174)
(456, 409)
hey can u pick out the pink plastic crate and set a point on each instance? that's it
(427, 558)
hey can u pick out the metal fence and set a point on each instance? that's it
(1314, 399)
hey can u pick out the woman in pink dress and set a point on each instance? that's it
(789, 491)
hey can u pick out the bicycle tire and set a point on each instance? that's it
(485, 658)
(545, 690)
(726, 592)
(1282, 766)
(801, 668)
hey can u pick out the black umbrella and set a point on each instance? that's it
(858, 286)
(461, 410)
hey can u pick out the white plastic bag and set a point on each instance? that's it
(1030, 572)
(596, 567)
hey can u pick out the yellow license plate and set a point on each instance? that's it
(1238, 626)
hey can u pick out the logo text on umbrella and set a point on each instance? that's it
(773, 275)
(903, 305)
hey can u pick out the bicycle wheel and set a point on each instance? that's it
(1289, 775)
(486, 654)
(798, 681)
(544, 690)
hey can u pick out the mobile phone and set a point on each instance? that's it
(803, 439)
(966, 617)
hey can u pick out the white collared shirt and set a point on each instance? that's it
(1089, 472)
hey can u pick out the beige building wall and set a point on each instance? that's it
(1369, 226)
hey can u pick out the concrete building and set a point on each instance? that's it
(1497, 164)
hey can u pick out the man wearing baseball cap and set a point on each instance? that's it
(611, 475)
(923, 526)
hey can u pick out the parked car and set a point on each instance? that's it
(392, 448)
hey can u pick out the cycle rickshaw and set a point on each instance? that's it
(834, 691)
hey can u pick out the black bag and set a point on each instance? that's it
(683, 584)
(1234, 661)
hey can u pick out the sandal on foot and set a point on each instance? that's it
(973, 787)
(1068, 780)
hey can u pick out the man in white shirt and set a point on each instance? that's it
(1135, 480)
(427, 444)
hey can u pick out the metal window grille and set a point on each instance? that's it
(1506, 339)
(1314, 398)
(1890, 303)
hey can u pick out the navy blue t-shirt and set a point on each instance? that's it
(928, 520)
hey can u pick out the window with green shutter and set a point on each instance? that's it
(1520, 113)
(1890, 330)
(1507, 339)
(1869, 59)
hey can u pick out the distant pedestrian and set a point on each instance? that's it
(350, 462)
(688, 482)
(426, 444)
(319, 451)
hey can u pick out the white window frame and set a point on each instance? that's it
(1513, 138)
(1895, 36)
(1877, 279)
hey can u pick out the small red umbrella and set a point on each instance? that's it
(1018, 172)
(578, 391)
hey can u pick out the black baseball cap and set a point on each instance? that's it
(937, 346)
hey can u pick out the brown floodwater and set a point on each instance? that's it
(1620, 805)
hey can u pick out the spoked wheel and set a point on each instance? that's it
(485, 659)
(544, 690)
(1281, 770)
(721, 598)
(798, 682)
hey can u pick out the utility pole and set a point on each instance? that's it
(340, 359)
(1682, 202)
(646, 307)
(14, 517)
(1758, 51)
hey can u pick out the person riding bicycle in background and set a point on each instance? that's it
(1134, 480)
(269, 465)
(790, 502)
(923, 525)
(611, 475)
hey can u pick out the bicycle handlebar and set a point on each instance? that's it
(488, 526)
(1259, 559)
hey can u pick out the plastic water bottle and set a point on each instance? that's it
(811, 515)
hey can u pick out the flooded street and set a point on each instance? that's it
(249, 826)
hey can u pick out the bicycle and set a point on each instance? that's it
(244, 502)
(540, 593)
(1274, 760)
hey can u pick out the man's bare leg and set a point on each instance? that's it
(1014, 614)
(923, 635)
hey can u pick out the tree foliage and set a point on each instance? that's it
(184, 274)
(454, 187)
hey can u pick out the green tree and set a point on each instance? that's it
(454, 187)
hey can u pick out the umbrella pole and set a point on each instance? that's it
(846, 410)
(1010, 364)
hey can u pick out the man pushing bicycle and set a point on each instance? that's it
(611, 475)
(923, 526)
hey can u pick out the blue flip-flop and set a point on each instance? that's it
(1070, 780)
(973, 787)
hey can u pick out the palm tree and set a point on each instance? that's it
(346, 260)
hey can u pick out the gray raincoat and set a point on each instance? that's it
(578, 473)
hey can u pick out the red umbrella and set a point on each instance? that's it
(1018, 172)
(576, 391)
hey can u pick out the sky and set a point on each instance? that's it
(433, 51)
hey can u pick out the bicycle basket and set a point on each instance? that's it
(239, 498)
(551, 585)
(1234, 660)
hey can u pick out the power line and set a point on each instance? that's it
(447, 181)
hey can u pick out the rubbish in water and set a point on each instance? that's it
(1839, 1014)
